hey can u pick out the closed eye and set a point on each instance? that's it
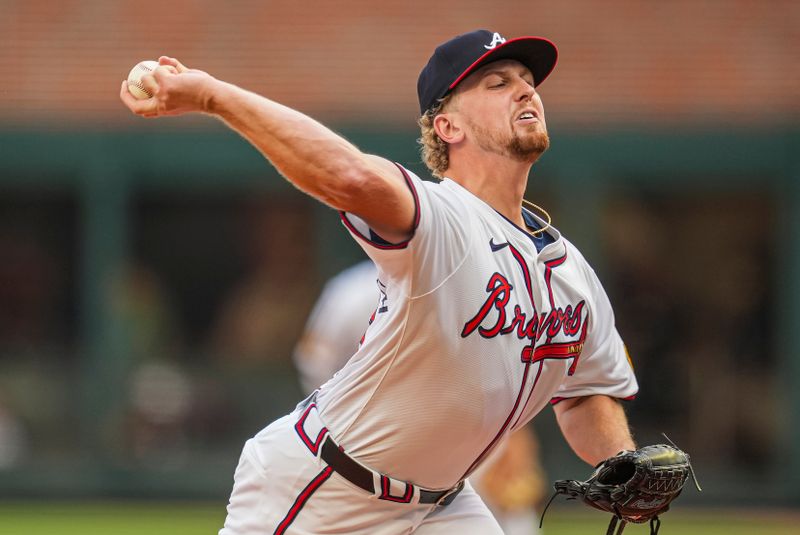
(496, 81)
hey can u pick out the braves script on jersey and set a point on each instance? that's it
(477, 333)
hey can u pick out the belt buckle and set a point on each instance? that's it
(445, 499)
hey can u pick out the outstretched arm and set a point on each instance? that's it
(311, 156)
(595, 427)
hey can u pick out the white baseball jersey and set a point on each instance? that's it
(475, 332)
(337, 323)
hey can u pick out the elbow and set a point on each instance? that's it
(567, 404)
(350, 186)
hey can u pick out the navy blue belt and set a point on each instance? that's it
(362, 477)
(359, 475)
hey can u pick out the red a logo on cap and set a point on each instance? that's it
(497, 39)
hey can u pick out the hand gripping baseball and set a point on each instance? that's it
(176, 90)
(634, 486)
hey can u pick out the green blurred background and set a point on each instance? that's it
(155, 275)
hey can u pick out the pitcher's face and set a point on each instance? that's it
(501, 111)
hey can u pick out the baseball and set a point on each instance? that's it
(135, 79)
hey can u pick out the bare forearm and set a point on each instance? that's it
(311, 156)
(595, 427)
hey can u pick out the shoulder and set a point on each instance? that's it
(439, 202)
(574, 253)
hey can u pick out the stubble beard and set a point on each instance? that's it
(530, 148)
(523, 149)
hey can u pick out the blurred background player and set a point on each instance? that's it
(336, 324)
(511, 482)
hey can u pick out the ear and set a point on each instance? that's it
(447, 127)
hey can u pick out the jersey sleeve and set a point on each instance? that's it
(604, 365)
(439, 242)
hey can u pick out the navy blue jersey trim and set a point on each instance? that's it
(542, 240)
(557, 400)
(373, 236)
(374, 239)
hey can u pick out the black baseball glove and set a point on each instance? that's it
(634, 486)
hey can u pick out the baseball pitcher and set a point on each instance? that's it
(488, 313)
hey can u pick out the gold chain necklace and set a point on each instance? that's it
(536, 233)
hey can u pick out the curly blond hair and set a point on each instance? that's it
(434, 150)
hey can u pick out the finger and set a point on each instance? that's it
(150, 83)
(166, 60)
(161, 72)
(158, 77)
(146, 107)
(125, 95)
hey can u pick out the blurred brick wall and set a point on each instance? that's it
(621, 61)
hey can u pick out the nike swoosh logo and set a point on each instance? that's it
(496, 246)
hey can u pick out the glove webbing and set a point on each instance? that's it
(546, 507)
(655, 524)
(613, 524)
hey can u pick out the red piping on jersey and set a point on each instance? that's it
(528, 286)
(301, 500)
(525, 273)
(313, 446)
(505, 424)
(530, 394)
(548, 273)
(391, 246)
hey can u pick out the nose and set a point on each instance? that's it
(525, 91)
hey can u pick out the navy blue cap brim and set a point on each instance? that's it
(538, 54)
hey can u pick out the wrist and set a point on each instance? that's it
(213, 96)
